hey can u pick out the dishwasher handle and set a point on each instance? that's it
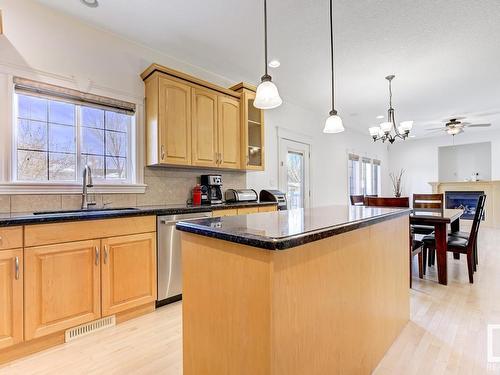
(177, 219)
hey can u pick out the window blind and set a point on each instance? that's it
(30, 87)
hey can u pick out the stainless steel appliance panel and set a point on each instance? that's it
(169, 265)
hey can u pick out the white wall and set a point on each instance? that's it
(460, 162)
(420, 157)
(45, 45)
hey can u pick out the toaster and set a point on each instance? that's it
(240, 195)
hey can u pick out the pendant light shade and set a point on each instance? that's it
(333, 123)
(267, 96)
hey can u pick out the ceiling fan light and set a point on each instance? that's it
(267, 96)
(454, 131)
(374, 131)
(386, 127)
(333, 124)
(406, 125)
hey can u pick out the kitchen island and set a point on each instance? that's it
(308, 291)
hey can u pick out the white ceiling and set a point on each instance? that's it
(445, 53)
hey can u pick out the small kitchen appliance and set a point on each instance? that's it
(274, 196)
(240, 195)
(213, 184)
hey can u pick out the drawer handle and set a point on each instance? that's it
(17, 267)
(105, 254)
(97, 255)
(162, 152)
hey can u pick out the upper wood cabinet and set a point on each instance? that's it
(204, 128)
(11, 297)
(212, 121)
(168, 118)
(128, 272)
(229, 132)
(62, 286)
(252, 130)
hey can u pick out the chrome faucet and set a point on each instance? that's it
(87, 183)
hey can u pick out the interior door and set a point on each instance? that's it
(294, 172)
(204, 128)
(229, 132)
(174, 122)
(11, 297)
(62, 287)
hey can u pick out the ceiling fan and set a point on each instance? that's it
(456, 126)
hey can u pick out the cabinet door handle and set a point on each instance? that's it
(216, 157)
(97, 255)
(248, 160)
(1, 240)
(162, 152)
(16, 262)
(220, 157)
(105, 254)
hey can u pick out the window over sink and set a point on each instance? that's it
(58, 131)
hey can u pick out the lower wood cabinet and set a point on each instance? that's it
(268, 208)
(11, 297)
(128, 272)
(248, 210)
(62, 286)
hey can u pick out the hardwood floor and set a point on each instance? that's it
(446, 334)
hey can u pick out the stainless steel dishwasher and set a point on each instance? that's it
(169, 256)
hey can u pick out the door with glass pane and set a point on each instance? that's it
(294, 172)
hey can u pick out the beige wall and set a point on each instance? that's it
(165, 186)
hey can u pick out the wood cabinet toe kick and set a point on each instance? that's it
(61, 275)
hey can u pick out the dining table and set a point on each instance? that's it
(439, 219)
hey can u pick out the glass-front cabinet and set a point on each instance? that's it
(252, 140)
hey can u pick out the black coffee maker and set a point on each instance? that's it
(213, 185)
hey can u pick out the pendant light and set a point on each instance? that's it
(267, 96)
(333, 123)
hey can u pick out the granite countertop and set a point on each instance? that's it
(22, 218)
(282, 230)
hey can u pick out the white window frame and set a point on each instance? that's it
(8, 168)
(361, 173)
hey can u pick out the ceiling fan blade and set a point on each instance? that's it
(458, 118)
(440, 128)
(478, 125)
(436, 131)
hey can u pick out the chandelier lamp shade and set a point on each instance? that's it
(389, 131)
(333, 123)
(267, 95)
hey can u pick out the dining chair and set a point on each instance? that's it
(466, 235)
(429, 255)
(387, 202)
(461, 245)
(430, 201)
(357, 200)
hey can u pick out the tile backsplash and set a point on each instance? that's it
(164, 186)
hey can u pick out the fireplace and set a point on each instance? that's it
(465, 200)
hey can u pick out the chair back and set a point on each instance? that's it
(477, 220)
(434, 201)
(357, 200)
(387, 202)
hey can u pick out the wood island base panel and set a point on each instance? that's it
(332, 306)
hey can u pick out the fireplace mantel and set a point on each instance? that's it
(491, 188)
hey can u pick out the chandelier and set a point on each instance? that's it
(384, 132)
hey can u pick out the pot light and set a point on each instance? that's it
(90, 3)
(380, 117)
(274, 63)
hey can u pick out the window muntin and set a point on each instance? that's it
(55, 139)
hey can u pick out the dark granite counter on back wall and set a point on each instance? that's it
(286, 229)
(23, 218)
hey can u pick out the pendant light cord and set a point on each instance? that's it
(265, 36)
(331, 51)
